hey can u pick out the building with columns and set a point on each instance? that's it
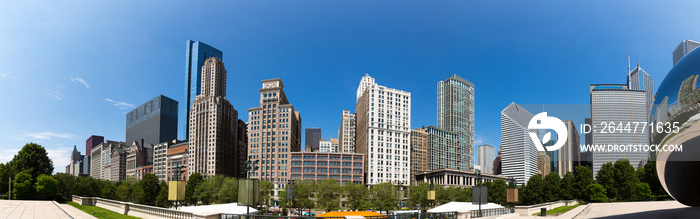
(453, 177)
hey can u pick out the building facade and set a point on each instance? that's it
(100, 158)
(318, 166)
(638, 79)
(274, 131)
(419, 152)
(117, 165)
(91, 142)
(312, 138)
(153, 122)
(177, 156)
(213, 141)
(346, 132)
(196, 53)
(330, 146)
(685, 47)
(497, 168)
(569, 154)
(616, 103)
(455, 113)
(444, 151)
(453, 177)
(160, 159)
(487, 154)
(519, 155)
(383, 132)
(138, 156)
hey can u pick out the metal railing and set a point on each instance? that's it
(490, 212)
(447, 215)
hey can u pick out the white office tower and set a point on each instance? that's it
(346, 133)
(683, 49)
(620, 105)
(383, 133)
(519, 155)
(487, 154)
(638, 79)
(364, 82)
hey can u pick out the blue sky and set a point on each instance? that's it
(72, 69)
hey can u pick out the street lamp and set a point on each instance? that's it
(248, 189)
(176, 186)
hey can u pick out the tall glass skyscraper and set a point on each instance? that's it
(456, 114)
(197, 52)
(153, 122)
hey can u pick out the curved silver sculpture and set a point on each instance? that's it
(678, 101)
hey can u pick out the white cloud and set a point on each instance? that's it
(121, 105)
(49, 135)
(55, 94)
(80, 80)
(6, 154)
(2, 75)
(60, 158)
(478, 140)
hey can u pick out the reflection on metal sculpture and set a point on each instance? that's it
(678, 101)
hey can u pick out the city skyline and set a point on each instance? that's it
(109, 80)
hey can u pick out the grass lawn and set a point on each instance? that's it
(101, 212)
(559, 210)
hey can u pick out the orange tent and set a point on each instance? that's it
(350, 213)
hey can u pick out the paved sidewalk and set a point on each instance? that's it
(21, 209)
(651, 209)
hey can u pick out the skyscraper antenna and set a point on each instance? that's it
(628, 63)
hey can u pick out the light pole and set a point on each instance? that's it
(478, 182)
(251, 166)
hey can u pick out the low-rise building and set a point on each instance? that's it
(342, 167)
(454, 177)
(176, 156)
(138, 156)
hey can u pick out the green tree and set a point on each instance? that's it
(465, 195)
(534, 190)
(596, 193)
(228, 191)
(444, 195)
(265, 188)
(66, 185)
(192, 183)
(303, 194)
(551, 187)
(651, 178)
(87, 187)
(606, 178)
(497, 192)
(206, 192)
(33, 160)
(643, 191)
(109, 190)
(382, 196)
(150, 187)
(418, 195)
(124, 192)
(354, 195)
(46, 187)
(567, 186)
(625, 180)
(162, 199)
(22, 188)
(328, 195)
(583, 176)
(5, 173)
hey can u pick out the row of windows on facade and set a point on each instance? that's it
(268, 126)
(268, 150)
(306, 176)
(325, 170)
(324, 157)
(325, 163)
(257, 145)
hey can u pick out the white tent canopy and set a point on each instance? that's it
(462, 207)
(230, 208)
